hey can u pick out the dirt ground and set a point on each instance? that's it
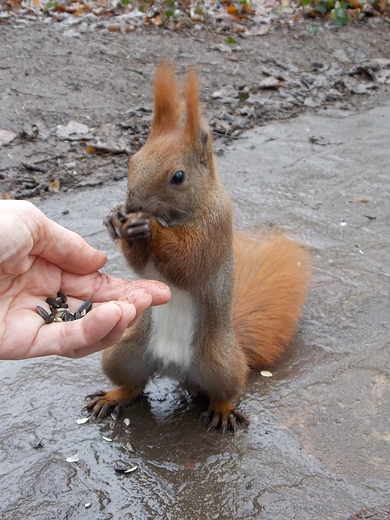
(56, 74)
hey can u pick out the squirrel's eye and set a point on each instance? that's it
(177, 178)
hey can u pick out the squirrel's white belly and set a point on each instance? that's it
(172, 329)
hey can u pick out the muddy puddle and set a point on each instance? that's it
(318, 443)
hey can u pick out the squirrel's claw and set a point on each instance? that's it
(98, 406)
(129, 226)
(215, 419)
(101, 404)
(115, 220)
(137, 227)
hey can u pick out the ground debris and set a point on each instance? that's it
(373, 513)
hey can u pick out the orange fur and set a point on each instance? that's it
(192, 124)
(272, 277)
(168, 108)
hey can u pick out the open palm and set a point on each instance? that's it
(39, 258)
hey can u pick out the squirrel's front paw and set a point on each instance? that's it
(115, 220)
(137, 227)
(129, 226)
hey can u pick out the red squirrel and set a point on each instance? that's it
(236, 298)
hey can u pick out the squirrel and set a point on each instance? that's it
(236, 298)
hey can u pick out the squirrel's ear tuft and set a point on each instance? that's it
(193, 118)
(168, 106)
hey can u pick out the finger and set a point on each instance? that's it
(100, 328)
(101, 287)
(60, 246)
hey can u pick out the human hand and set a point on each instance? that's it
(38, 259)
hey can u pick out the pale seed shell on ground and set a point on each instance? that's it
(130, 470)
(82, 420)
(73, 458)
(265, 373)
(108, 439)
(130, 447)
(127, 422)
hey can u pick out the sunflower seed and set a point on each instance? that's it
(59, 301)
(42, 313)
(53, 303)
(87, 505)
(68, 316)
(73, 458)
(85, 307)
(130, 447)
(265, 373)
(127, 421)
(60, 313)
(108, 439)
(130, 470)
(62, 296)
(38, 444)
(82, 420)
(121, 469)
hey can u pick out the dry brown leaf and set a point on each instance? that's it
(232, 9)
(91, 149)
(114, 28)
(353, 14)
(15, 4)
(54, 185)
(270, 82)
(157, 20)
(247, 9)
(355, 3)
(79, 11)
(37, 3)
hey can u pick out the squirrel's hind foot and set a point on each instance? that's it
(223, 415)
(101, 404)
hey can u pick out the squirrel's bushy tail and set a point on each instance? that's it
(272, 278)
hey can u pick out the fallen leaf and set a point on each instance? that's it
(114, 28)
(353, 14)
(247, 9)
(6, 137)
(54, 185)
(73, 127)
(157, 20)
(15, 4)
(269, 82)
(232, 9)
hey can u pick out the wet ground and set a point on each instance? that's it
(318, 443)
